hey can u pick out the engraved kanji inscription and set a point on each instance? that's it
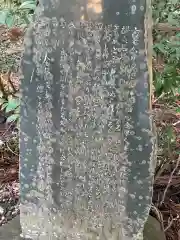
(87, 139)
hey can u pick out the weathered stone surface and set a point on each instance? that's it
(153, 230)
(87, 143)
(12, 230)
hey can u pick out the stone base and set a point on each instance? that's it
(12, 230)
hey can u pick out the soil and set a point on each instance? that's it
(9, 171)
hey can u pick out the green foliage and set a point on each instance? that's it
(6, 17)
(31, 5)
(14, 12)
(167, 47)
(11, 106)
(166, 11)
(17, 12)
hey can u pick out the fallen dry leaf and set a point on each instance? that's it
(15, 33)
(9, 83)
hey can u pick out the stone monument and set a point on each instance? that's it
(87, 144)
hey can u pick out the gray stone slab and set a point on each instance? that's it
(87, 143)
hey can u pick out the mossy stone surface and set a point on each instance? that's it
(153, 230)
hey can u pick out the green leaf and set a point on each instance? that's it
(12, 105)
(28, 5)
(10, 20)
(7, 17)
(3, 16)
(178, 110)
(160, 47)
(12, 118)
